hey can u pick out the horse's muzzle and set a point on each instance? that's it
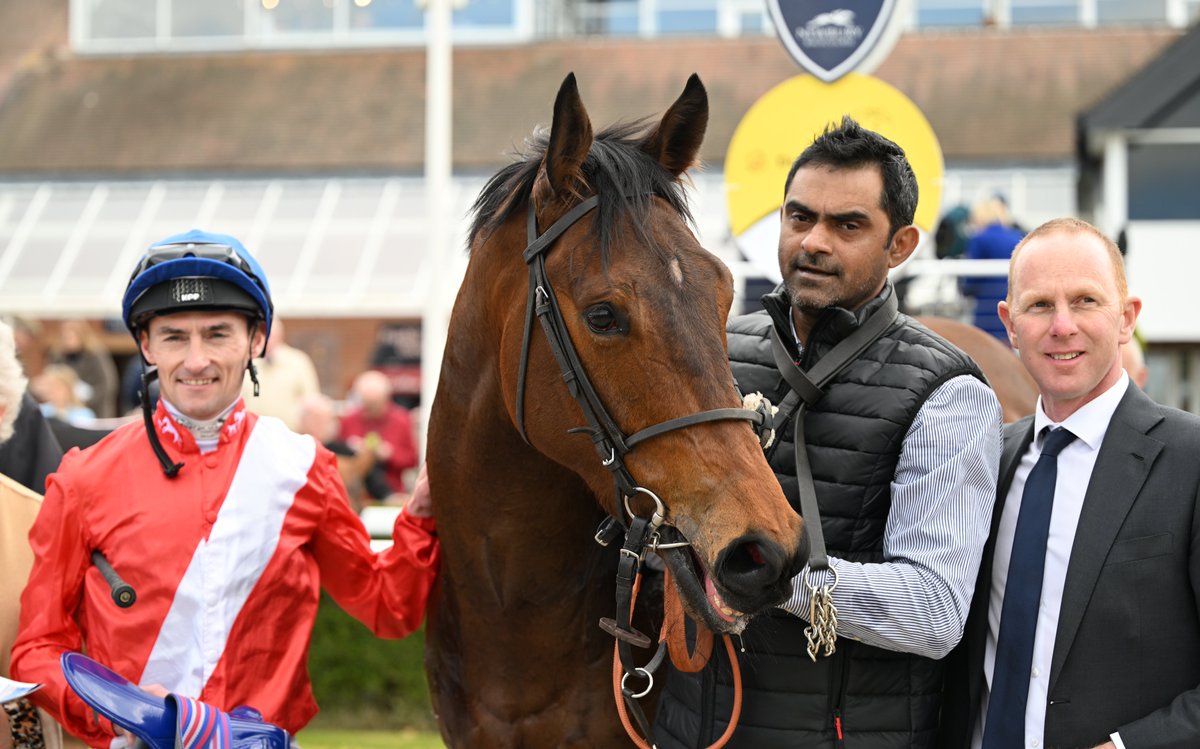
(755, 572)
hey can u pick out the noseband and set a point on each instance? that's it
(612, 445)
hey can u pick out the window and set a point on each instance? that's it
(935, 13)
(1131, 11)
(1164, 180)
(121, 19)
(298, 15)
(208, 19)
(1033, 12)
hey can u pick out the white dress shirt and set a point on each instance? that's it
(1075, 464)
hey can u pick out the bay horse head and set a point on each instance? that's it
(586, 350)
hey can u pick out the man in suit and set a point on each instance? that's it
(1112, 642)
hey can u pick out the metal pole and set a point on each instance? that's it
(438, 121)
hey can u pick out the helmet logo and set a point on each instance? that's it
(191, 290)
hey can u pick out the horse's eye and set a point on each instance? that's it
(602, 318)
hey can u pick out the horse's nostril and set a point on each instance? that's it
(755, 553)
(751, 570)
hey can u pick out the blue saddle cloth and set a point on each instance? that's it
(171, 722)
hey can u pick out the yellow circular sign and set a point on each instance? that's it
(786, 120)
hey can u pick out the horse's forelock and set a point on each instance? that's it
(620, 173)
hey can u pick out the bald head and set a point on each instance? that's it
(1071, 226)
(373, 390)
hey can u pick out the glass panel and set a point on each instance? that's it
(1131, 11)
(1163, 182)
(209, 18)
(66, 203)
(298, 15)
(486, 13)
(39, 256)
(397, 257)
(124, 204)
(299, 202)
(1044, 11)
(750, 23)
(123, 19)
(932, 13)
(181, 205)
(277, 255)
(337, 263)
(358, 203)
(239, 203)
(385, 14)
(96, 259)
(687, 22)
(608, 18)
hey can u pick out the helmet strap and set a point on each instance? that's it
(253, 376)
(171, 470)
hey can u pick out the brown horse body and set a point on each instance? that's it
(1015, 389)
(514, 654)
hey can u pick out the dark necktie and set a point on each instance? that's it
(1005, 727)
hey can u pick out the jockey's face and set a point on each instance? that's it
(201, 358)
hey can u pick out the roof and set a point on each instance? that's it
(989, 95)
(1164, 93)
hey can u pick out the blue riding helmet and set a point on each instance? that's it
(196, 270)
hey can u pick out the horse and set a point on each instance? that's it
(1013, 385)
(621, 380)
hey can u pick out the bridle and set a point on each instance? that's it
(612, 446)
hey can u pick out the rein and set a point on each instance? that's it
(806, 389)
(612, 445)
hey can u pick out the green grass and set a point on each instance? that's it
(322, 738)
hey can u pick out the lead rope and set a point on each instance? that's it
(807, 389)
(672, 638)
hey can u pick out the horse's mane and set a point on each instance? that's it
(622, 175)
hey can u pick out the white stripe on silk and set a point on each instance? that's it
(224, 569)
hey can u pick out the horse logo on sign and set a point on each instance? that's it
(830, 38)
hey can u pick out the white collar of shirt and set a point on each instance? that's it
(1090, 421)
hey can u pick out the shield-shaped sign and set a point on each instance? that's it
(830, 38)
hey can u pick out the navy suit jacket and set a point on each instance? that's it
(1127, 651)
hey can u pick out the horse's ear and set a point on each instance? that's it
(675, 143)
(570, 139)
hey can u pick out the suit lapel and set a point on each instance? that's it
(1017, 437)
(1122, 466)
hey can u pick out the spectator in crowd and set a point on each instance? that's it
(318, 418)
(1134, 362)
(57, 389)
(286, 375)
(994, 238)
(80, 348)
(129, 396)
(33, 452)
(22, 726)
(375, 423)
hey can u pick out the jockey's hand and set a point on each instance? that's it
(420, 504)
(158, 690)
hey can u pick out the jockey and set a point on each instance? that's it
(225, 523)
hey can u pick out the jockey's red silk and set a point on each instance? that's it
(227, 560)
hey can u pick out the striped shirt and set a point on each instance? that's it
(916, 600)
